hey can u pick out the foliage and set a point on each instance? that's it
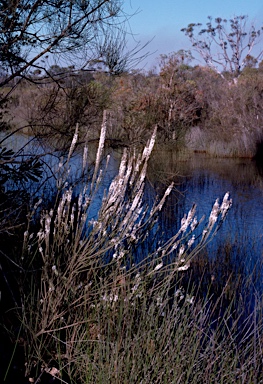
(179, 95)
(56, 111)
(233, 109)
(31, 29)
(24, 170)
(182, 100)
(30, 32)
(132, 107)
(191, 105)
(16, 173)
(171, 100)
(112, 54)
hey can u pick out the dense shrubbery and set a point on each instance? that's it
(181, 100)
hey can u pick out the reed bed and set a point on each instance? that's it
(92, 313)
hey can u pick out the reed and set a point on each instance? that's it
(92, 314)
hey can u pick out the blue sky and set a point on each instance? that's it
(163, 20)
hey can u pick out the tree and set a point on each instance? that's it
(31, 29)
(224, 44)
(113, 54)
(180, 97)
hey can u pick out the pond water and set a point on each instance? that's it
(201, 180)
(198, 180)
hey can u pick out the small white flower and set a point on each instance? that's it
(118, 256)
(54, 269)
(181, 250)
(41, 235)
(183, 267)
(73, 143)
(175, 245)
(189, 299)
(38, 203)
(47, 225)
(159, 301)
(191, 241)
(115, 298)
(60, 165)
(194, 224)
(85, 157)
(179, 293)
(186, 220)
(158, 266)
(226, 204)
(137, 280)
(214, 214)
(110, 298)
(135, 287)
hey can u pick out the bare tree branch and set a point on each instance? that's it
(224, 44)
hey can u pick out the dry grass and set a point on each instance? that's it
(90, 314)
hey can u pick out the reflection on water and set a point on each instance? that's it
(198, 180)
(206, 181)
(201, 180)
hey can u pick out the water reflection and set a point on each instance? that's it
(201, 180)
(198, 180)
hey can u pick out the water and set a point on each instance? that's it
(205, 181)
(198, 180)
(239, 243)
(238, 246)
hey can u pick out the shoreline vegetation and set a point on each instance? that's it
(91, 289)
(195, 109)
(78, 305)
(87, 312)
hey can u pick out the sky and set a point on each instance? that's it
(162, 21)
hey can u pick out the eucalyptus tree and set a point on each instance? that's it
(225, 45)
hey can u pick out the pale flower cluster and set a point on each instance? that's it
(189, 220)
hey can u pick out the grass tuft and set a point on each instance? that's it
(92, 313)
